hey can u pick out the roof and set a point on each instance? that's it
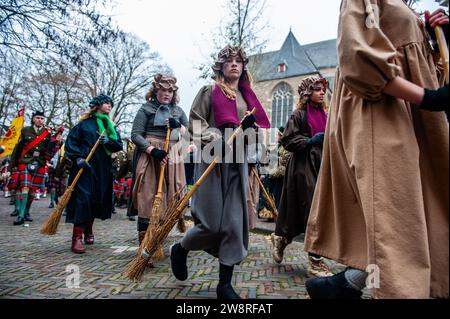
(300, 60)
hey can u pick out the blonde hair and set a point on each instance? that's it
(229, 92)
(89, 113)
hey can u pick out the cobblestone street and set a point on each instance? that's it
(37, 266)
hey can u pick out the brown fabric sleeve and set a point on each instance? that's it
(366, 56)
(201, 114)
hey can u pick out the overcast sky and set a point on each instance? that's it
(180, 30)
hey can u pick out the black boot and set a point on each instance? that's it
(333, 287)
(224, 288)
(15, 213)
(178, 258)
(19, 221)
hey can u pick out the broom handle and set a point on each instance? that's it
(91, 153)
(443, 49)
(266, 194)
(210, 167)
(163, 165)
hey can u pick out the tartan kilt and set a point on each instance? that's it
(127, 187)
(21, 178)
(57, 183)
(119, 187)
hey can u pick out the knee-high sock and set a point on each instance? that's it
(52, 196)
(16, 202)
(28, 204)
(22, 199)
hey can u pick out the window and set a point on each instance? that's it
(281, 68)
(282, 106)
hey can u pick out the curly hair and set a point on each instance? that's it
(306, 88)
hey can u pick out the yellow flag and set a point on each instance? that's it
(10, 139)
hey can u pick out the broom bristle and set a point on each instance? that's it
(51, 225)
(153, 239)
(136, 268)
(159, 253)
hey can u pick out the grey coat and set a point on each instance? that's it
(219, 206)
(143, 125)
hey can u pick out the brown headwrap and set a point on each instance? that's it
(224, 54)
(165, 81)
(306, 87)
(162, 81)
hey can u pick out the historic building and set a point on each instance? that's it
(277, 75)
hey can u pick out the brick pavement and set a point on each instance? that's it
(37, 266)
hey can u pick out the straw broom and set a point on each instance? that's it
(268, 197)
(443, 49)
(51, 224)
(173, 212)
(154, 215)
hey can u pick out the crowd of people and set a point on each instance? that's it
(364, 178)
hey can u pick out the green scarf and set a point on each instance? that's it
(110, 131)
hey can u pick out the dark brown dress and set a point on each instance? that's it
(300, 178)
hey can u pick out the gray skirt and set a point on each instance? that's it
(219, 210)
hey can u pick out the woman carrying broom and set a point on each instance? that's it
(303, 137)
(92, 196)
(149, 133)
(219, 206)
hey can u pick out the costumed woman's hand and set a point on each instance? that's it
(437, 18)
(316, 139)
(435, 100)
(248, 121)
(160, 155)
(82, 163)
(432, 20)
(173, 123)
(104, 140)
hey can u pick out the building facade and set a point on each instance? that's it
(277, 75)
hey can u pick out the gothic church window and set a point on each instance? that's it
(282, 107)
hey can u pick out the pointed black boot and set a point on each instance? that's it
(178, 258)
(224, 288)
(333, 287)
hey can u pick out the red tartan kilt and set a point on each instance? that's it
(21, 178)
(127, 187)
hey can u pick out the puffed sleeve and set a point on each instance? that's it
(292, 139)
(183, 119)
(138, 130)
(199, 115)
(366, 56)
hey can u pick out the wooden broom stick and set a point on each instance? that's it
(51, 224)
(268, 197)
(137, 266)
(154, 215)
(443, 49)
